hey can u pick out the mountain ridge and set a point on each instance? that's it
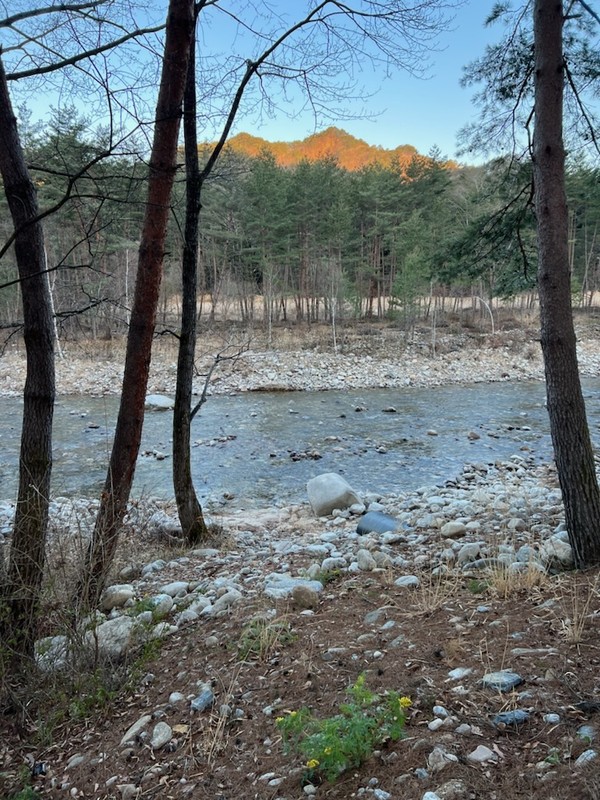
(350, 152)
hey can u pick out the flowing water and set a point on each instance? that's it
(262, 447)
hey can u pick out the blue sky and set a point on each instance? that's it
(408, 110)
(399, 109)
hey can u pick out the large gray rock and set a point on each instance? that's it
(113, 638)
(556, 554)
(159, 402)
(328, 491)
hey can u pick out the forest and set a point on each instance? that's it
(303, 243)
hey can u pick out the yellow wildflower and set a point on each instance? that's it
(312, 763)
(328, 751)
(405, 702)
(293, 713)
(279, 719)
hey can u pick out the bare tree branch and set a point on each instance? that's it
(75, 59)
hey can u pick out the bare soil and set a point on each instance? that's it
(548, 633)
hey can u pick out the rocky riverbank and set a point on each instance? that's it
(465, 604)
(382, 360)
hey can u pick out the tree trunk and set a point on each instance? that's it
(568, 424)
(128, 432)
(18, 617)
(188, 507)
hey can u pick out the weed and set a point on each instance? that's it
(577, 604)
(476, 586)
(335, 744)
(260, 637)
(505, 583)
(326, 576)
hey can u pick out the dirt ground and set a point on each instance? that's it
(544, 628)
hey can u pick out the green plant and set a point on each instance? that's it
(326, 576)
(261, 636)
(25, 794)
(476, 586)
(347, 739)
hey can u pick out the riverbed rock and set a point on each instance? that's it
(328, 491)
(375, 521)
(159, 402)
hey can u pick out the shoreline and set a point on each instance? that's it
(370, 365)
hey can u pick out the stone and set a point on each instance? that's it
(376, 522)
(161, 735)
(158, 402)
(407, 582)
(481, 754)
(453, 530)
(134, 731)
(116, 596)
(328, 491)
(280, 585)
(502, 681)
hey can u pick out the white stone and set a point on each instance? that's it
(453, 529)
(112, 638)
(481, 754)
(329, 491)
(116, 596)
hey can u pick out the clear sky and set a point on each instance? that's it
(405, 109)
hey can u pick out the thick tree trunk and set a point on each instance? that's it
(128, 432)
(188, 506)
(568, 424)
(20, 593)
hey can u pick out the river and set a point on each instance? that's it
(262, 447)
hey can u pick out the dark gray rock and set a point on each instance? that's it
(376, 522)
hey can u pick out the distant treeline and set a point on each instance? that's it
(307, 243)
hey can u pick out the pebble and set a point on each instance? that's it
(481, 754)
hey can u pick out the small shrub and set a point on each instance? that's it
(333, 745)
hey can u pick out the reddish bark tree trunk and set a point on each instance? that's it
(566, 408)
(128, 432)
(188, 506)
(20, 594)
